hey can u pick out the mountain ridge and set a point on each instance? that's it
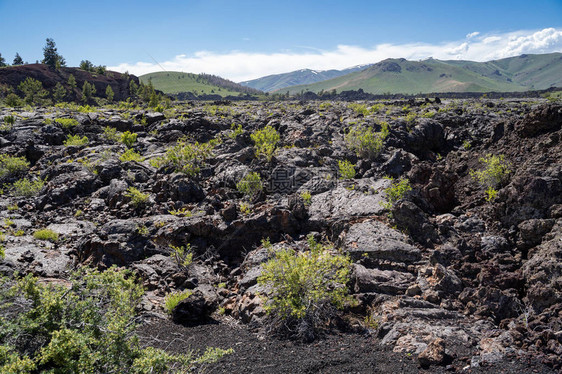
(520, 73)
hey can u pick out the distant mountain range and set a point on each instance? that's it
(521, 73)
(277, 82)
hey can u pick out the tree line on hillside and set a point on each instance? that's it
(225, 83)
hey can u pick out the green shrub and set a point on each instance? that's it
(46, 234)
(129, 138)
(131, 155)
(25, 187)
(266, 141)
(245, 208)
(186, 157)
(236, 130)
(110, 133)
(67, 122)
(11, 165)
(182, 255)
(137, 198)
(9, 120)
(183, 212)
(76, 140)
(304, 287)
(173, 299)
(495, 173)
(347, 169)
(360, 109)
(250, 185)
(12, 100)
(306, 197)
(365, 142)
(395, 192)
(87, 326)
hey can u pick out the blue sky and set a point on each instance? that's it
(247, 39)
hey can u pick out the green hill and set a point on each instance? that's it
(173, 82)
(526, 72)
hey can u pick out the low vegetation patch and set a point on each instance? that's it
(250, 185)
(128, 138)
(186, 157)
(305, 288)
(46, 234)
(265, 141)
(182, 255)
(365, 142)
(86, 326)
(137, 198)
(67, 122)
(27, 188)
(397, 191)
(76, 140)
(173, 299)
(495, 173)
(130, 155)
(11, 165)
(346, 169)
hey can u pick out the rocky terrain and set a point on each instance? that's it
(448, 278)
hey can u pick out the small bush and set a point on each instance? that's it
(236, 130)
(131, 155)
(173, 299)
(182, 256)
(67, 122)
(365, 142)
(186, 157)
(244, 208)
(305, 287)
(360, 109)
(9, 120)
(137, 198)
(397, 191)
(250, 185)
(128, 138)
(2, 252)
(86, 327)
(495, 173)
(266, 141)
(306, 197)
(25, 187)
(76, 140)
(183, 212)
(11, 165)
(347, 169)
(46, 234)
(13, 100)
(110, 133)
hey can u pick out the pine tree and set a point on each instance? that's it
(50, 55)
(59, 93)
(109, 93)
(17, 60)
(72, 81)
(88, 90)
(2, 61)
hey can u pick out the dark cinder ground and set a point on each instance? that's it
(336, 353)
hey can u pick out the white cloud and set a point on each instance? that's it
(239, 66)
